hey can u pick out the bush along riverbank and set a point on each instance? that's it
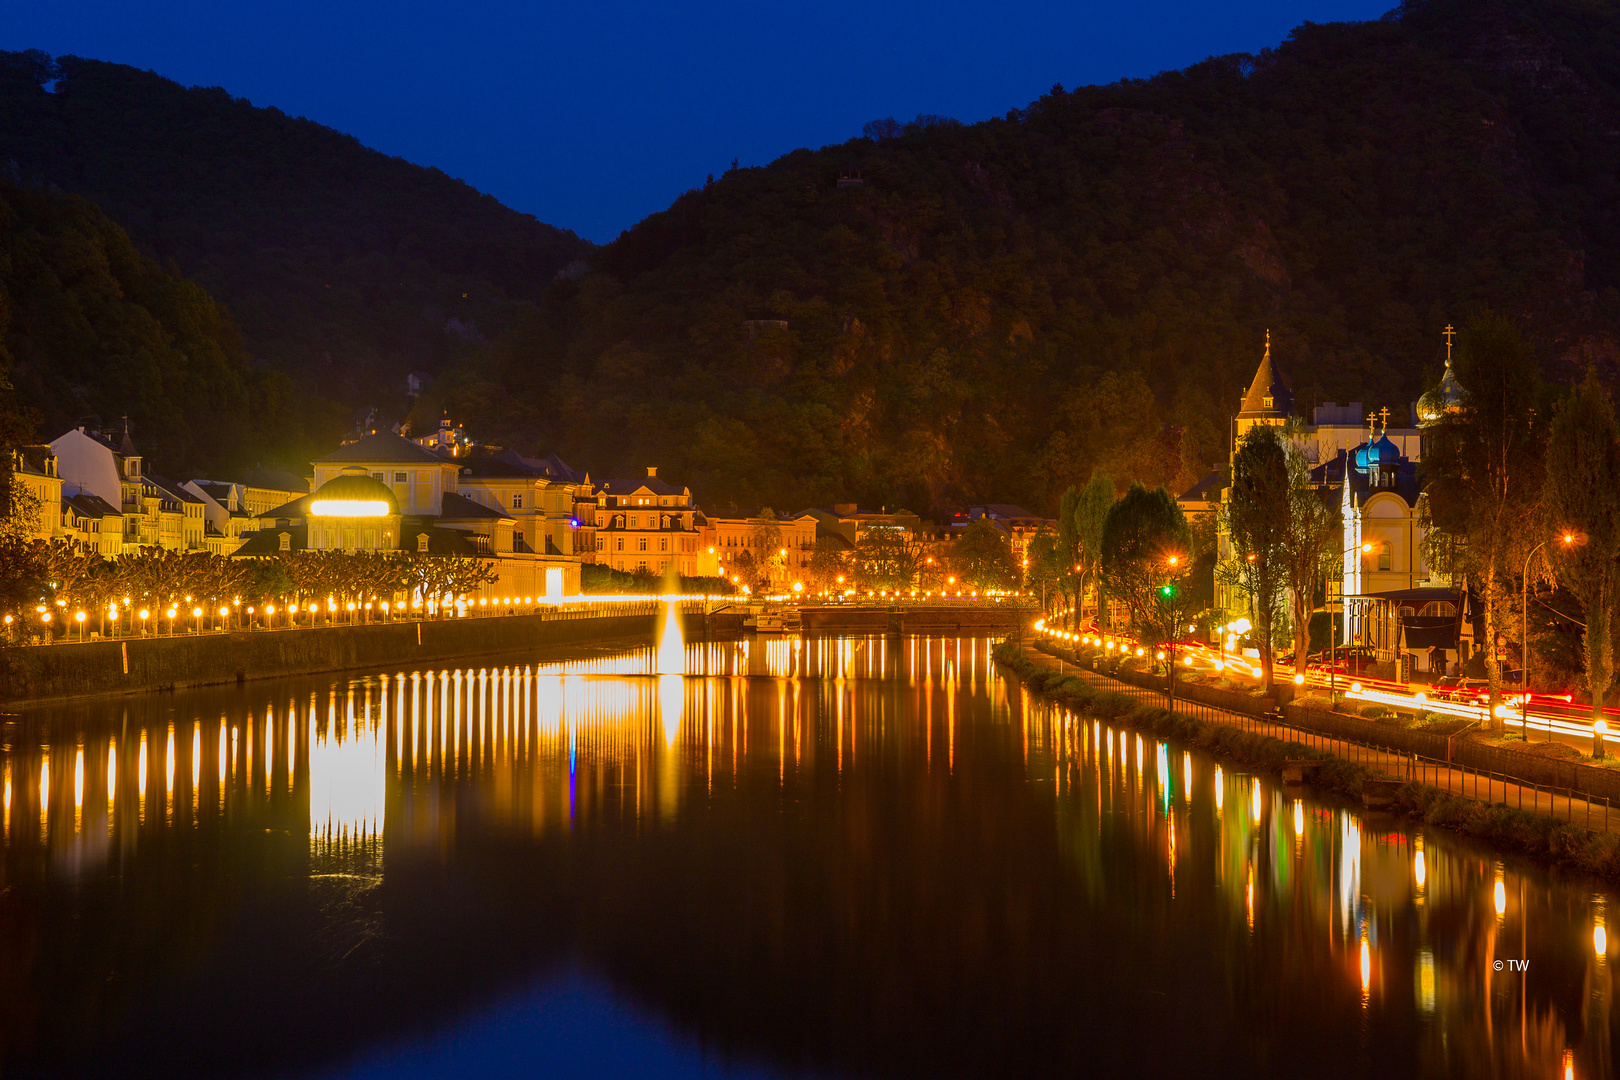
(1559, 842)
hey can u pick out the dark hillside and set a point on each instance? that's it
(342, 265)
(994, 310)
(93, 331)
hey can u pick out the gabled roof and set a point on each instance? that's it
(275, 480)
(295, 509)
(382, 448)
(170, 488)
(267, 541)
(631, 484)
(91, 506)
(1007, 512)
(487, 467)
(1206, 489)
(460, 508)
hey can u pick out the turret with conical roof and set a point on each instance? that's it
(1269, 397)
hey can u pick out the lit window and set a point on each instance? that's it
(1384, 556)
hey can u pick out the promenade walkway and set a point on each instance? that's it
(1398, 765)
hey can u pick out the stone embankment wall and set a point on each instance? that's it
(922, 619)
(1557, 773)
(135, 664)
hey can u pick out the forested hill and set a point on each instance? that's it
(344, 267)
(994, 310)
(92, 331)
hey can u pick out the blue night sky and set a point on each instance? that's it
(592, 115)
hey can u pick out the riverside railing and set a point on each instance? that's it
(241, 620)
(1457, 778)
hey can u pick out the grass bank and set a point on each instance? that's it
(1560, 842)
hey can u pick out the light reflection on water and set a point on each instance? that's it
(890, 802)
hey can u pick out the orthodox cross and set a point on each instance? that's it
(1450, 333)
(1383, 417)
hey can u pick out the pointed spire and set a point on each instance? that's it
(1268, 396)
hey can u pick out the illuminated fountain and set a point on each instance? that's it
(671, 659)
(671, 656)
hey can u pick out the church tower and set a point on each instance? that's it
(1269, 401)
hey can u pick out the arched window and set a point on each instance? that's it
(1385, 556)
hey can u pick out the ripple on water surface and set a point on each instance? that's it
(827, 857)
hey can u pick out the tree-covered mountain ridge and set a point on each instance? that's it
(937, 312)
(344, 267)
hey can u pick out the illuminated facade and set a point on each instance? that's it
(385, 493)
(778, 546)
(644, 523)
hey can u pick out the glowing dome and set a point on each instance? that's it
(1446, 397)
(353, 493)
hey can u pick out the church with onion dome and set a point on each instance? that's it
(1384, 598)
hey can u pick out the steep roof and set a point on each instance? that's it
(275, 480)
(461, 508)
(1267, 384)
(381, 447)
(91, 506)
(632, 484)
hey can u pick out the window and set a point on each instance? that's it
(421, 542)
(517, 502)
(377, 476)
(621, 543)
(402, 478)
(663, 543)
(641, 543)
(598, 543)
(1384, 556)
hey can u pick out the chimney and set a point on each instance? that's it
(652, 470)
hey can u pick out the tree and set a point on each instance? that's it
(1484, 473)
(1256, 516)
(1308, 549)
(1045, 566)
(1090, 513)
(1583, 498)
(983, 558)
(887, 557)
(829, 565)
(1066, 555)
(1145, 558)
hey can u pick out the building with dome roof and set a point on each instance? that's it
(384, 493)
(1369, 471)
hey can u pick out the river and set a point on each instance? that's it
(857, 857)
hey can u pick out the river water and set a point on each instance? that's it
(859, 857)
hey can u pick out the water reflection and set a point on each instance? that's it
(858, 856)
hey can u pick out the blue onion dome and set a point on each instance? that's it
(1380, 452)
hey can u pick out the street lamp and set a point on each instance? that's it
(1524, 631)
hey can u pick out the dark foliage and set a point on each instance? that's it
(94, 330)
(341, 264)
(996, 310)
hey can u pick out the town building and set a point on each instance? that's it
(1016, 524)
(647, 524)
(382, 492)
(1369, 473)
(154, 512)
(759, 544)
